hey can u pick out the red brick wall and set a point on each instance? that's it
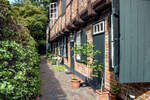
(107, 72)
(80, 67)
(140, 91)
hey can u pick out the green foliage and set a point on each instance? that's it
(74, 78)
(46, 3)
(87, 50)
(35, 20)
(49, 56)
(19, 60)
(18, 71)
(59, 68)
(115, 88)
(53, 61)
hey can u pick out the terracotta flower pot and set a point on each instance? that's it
(113, 97)
(75, 83)
(37, 98)
(102, 95)
(48, 61)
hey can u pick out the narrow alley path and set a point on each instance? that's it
(57, 85)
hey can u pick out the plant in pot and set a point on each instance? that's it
(75, 83)
(115, 89)
(49, 57)
(87, 51)
(53, 61)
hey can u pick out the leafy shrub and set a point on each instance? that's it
(115, 88)
(19, 60)
(59, 68)
(18, 72)
(87, 51)
(49, 56)
(35, 20)
(53, 61)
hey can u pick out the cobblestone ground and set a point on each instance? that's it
(57, 85)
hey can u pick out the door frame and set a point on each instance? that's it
(104, 45)
(71, 55)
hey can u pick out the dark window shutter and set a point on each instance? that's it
(62, 47)
(57, 49)
(83, 37)
(63, 6)
(83, 41)
(65, 47)
(116, 47)
(110, 41)
(48, 47)
(134, 41)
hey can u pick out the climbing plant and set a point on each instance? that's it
(87, 51)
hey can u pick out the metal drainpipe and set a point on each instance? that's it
(112, 35)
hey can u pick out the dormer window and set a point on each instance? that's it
(53, 13)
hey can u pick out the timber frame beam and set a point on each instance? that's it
(97, 9)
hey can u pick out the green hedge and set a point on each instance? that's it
(19, 60)
(18, 72)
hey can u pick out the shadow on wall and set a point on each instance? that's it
(50, 87)
(136, 91)
(132, 91)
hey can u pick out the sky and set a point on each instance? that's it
(11, 1)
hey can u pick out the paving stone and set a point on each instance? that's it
(57, 85)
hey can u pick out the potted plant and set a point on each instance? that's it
(102, 95)
(87, 50)
(115, 89)
(49, 57)
(75, 83)
(53, 61)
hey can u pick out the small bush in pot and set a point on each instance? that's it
(75, 83)
(49, 57)
(115, 89)
(53, 61)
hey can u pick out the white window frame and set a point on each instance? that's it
(99, 27)
(78, 43)
(53, 13)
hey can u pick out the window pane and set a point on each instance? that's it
(95, 29)
(98, 28)
(78, 43)
(101, 25)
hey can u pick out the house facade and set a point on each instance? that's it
(118, 28)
